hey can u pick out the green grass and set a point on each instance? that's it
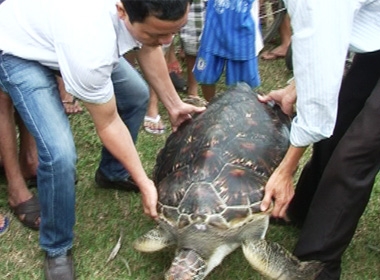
(102, 215)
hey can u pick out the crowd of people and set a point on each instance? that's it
(49, 61)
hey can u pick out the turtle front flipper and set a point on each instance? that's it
(187, 265)
(275, 262)
(153, 241)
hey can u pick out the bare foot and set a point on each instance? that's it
(195, 100)
(278, 52)
(72, 106)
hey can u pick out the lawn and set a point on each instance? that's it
(102, 215)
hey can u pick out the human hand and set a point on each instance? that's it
(182, 113)
(278, 189)
(149, 199)
(285, 98)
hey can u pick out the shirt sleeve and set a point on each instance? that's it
(86, 75)
(320, 41)
(87, 53)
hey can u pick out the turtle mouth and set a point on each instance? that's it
(187, 265)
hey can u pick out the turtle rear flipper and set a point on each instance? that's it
(275, 262)
(153, 241)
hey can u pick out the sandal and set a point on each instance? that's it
(175, 73)
(178, 82)
(5, 225)
(154, 125)
(31, 210)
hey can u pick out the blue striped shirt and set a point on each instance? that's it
(229, 29)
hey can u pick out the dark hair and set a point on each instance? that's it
(139, 10)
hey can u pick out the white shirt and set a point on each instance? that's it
(255, 12)
(323, 31)
(82, 38)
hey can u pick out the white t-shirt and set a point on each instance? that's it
(323, 31)
(82, 38)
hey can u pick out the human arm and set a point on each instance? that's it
(152, 62)
(318, 72)
(117, 139)
(279, 187)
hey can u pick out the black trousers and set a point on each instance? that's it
(335, 185)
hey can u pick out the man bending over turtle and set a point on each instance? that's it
(84, 41)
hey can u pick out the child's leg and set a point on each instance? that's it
(208, 91)
(207, 71)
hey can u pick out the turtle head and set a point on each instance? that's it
(187, 265)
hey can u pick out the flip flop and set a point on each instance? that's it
(269, 55)
(5, 226)
(154, 125)
(31, 210)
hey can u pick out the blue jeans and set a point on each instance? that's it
(33, 89)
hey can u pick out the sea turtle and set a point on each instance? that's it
(210, 178)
